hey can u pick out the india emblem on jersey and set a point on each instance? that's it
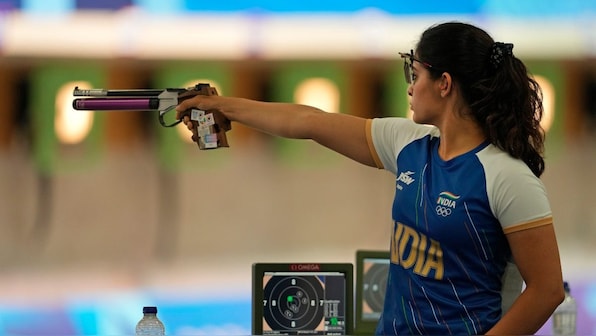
(445, 203)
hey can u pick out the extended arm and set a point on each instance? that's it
(536, 254)
(342, 133)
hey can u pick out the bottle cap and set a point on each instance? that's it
(149, 310)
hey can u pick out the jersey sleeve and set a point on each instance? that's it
(388, 136)
(517, 197)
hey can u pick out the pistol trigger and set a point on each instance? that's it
(164, 123)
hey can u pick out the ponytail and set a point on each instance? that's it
(509, 109)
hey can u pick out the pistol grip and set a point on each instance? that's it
(208, 128)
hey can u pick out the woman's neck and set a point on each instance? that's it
(459, 136)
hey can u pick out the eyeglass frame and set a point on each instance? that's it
(408, 67)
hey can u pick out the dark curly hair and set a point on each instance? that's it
(503, 97)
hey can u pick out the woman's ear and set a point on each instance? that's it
(446, 84)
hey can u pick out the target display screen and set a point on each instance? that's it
(372, 269)
(302, 299)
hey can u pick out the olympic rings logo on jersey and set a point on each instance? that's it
(443, 211)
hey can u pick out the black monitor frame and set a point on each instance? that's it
(260, 270)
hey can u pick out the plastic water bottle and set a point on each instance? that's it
(150, 325)
(564, 317)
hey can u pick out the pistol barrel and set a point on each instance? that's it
(112, 104)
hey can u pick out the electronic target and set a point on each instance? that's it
(293, 302)
(374, 285)
(372, 268)
(306, 299)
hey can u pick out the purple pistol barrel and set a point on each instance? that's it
(115, 104)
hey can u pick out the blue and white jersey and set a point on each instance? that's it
(450, 218)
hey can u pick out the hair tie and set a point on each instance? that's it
(498, 51)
